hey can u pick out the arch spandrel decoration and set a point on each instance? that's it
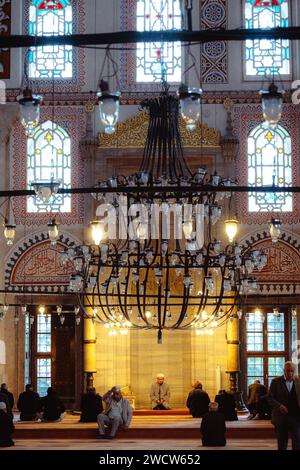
(282, 271)
(132, 133)
(37, 265)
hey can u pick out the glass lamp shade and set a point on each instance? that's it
(97, 231)
(231, 227)
(53, 232)
(29, 110)
(109, 107)
(46, 189)
(272, 101)
(190, 106)
(9, 233)
(275, 230)
(188, 228)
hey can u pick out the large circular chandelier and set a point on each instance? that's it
(154, 262)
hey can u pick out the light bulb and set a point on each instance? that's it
(97, 231)
(53, 231)
(275, 230)
(188, 229)
(9, 233)
(231, 227)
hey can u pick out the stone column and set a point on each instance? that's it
(233, 362)
(89, 351)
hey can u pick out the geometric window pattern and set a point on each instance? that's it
(50, 18)
(266, 347)
(160, 59)
(267, 57)
(269, 157)
(43, 365)
(49, 156)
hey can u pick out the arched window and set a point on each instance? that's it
(50, 18)
(266, 57)
(269, 153)
(49, 154)
(154, 60)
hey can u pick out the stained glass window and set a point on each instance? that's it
(160, 59)
(49, 155)
(267, 56)
(50, 18)
(269, 163)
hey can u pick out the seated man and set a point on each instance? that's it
(257, 391)
(213, 427)
(52, 407)
(198, 401)
(227, 405)
(29, 404)
(6, 427)
(118, 412)
(160, 394)
(10, 397)
(91, 406)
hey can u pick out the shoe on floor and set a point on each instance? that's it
(101, 436)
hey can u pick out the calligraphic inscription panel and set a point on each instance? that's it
(42, 265)
(283, 264)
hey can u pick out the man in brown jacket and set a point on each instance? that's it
(284, 397)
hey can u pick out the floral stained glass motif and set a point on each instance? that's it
(269, 153)
(155, 61)
(49, 155)
(267, 57)
(50, 18)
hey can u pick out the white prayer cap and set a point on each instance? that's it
(160, 376)
(2, 406)
(117, 388)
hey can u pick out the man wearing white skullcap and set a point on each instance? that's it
(160, 394)
(6, 427)
(118, 413)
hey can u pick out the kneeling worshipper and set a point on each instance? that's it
(160, 394)
(6, 427)
(52, 407)
(213, 427)
(198, 401)
(91, 406)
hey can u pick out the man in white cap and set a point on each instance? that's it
(6, 427)
(160, 394)
(118, 413)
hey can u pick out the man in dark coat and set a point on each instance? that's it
(213, 427)
(10, 397)
(284, 397)
(227, 405)
(52, 407)
(6, 427)
(91, 406)
(257, 392)
(29, 404)
(4, 399)
(198, 401)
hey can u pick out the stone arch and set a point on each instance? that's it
(36, 265)
(282, 271)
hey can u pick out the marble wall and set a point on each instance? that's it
(134, 360)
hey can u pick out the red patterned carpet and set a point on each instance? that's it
(145, 425)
